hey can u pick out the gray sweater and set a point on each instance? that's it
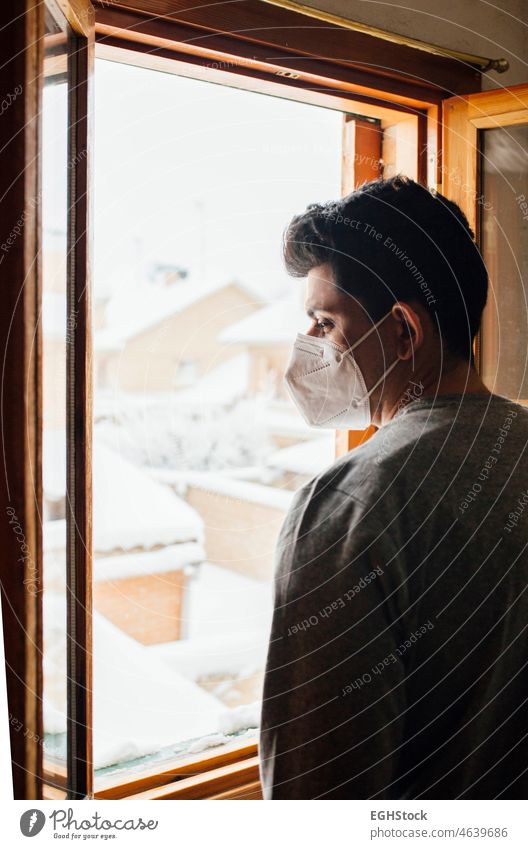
(398, 658)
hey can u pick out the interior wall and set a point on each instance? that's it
(472, 26)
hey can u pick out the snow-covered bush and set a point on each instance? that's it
(160, 435)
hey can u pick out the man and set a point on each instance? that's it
(398, 659)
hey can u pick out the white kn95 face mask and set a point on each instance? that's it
(326, 383)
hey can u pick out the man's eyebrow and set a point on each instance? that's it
(312, 309)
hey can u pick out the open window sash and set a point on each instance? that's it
(485, 171)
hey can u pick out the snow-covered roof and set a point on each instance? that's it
(276, 323)
(166, 706)
(168, 559)
(133, 310)
(222, 600)
(140, 703)
(305, 458)
(227, 622)
(255, 493)
(130, 510)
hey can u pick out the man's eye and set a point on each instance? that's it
(323, 324)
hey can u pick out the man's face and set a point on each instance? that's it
(340, 318)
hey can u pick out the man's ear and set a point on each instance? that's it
(409, 329)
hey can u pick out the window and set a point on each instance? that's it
(197, 450)
(194, 468)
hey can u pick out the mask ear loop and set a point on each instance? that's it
(355, 403)
(358, 341)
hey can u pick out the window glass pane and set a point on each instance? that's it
(504, 205)
(54, 341)
(197, 449)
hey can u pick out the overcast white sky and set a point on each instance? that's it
(186, 169)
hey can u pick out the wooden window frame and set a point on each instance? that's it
(220, 769)
(462, 119)
(256, 35)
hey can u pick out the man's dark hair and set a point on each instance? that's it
(394, 240)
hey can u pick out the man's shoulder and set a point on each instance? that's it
(426, 443)
(343, 482)
(390, 460)
(373, 463)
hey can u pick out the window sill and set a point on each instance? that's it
(229, 772)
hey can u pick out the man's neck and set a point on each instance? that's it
(460, 379)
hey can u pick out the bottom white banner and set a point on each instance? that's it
(354, 823)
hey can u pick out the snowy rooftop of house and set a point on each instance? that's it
(168, 559)
(283, 419)
(130, 510)
(133, 309)
(305, 458)
(240, 490)
(276, 323)
(147, 697)
(140, 703)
